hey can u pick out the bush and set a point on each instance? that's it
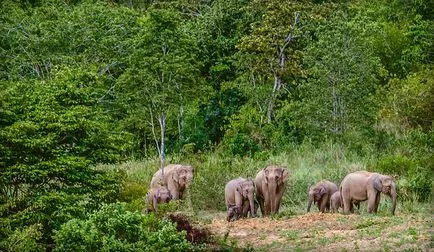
(242, 145)
(415, 176)
(24, 240)
(113, 228)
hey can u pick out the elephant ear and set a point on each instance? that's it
(377, 184)
(322, 190)
(239, 187)
(266, 173)
(285, 175)
(175, 176)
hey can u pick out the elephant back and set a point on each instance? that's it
(157, 179)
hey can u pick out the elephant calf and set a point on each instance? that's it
(321, 194)
(157, 196)
(234, 213)
(336, 203)
(239, 193)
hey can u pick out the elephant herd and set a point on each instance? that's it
(269, 186)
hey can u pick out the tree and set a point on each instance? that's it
(162, 71)
(342, 71)
(53, 132)
(272, 47)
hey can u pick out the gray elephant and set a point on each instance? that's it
(157, 196)
(177, 178)
(239, 193)
(270, 184)
(234, 213)
(321, 194)
(335, 202)
(362, 185)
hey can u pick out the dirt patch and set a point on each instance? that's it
(330, 232)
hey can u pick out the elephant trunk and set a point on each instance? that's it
(252, 205)
(310, 202)
(393, 196)
(272, 195)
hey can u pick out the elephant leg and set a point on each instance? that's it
(246, 208)
(372, 199)
(322, 205)
(377, 202)
(261, 205)
(267, 204)
(279, 196)
(346, 201)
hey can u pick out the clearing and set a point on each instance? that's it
(328, 232)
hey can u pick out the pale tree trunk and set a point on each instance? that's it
(278, 71)
(162, 122)
(159, 145)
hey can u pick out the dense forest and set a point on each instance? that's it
(89, 88)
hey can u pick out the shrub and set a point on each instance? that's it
(415, 176)
(242, 145)
(114, 228)
(24, 240)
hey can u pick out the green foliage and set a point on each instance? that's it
(83, 83)
(414, 176)
(113, 228)
(24, 240)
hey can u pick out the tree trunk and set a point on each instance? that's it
(162, 122)
(181, 126)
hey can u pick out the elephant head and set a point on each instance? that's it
(386, 185)
(275, 180)
(234, 212)
(183, 175)
(163, 195)
(315, 194)
(246, 188)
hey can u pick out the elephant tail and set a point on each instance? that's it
(340, 196)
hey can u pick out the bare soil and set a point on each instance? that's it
(329, 232)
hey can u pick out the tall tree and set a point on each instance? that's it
(162, 71)
(271, 49)
(342, 79)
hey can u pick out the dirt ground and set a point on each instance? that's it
(329, 232)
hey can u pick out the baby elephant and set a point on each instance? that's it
(234, 213)
(321, 194)
(336, 203)
(157, 196)
(239, 192)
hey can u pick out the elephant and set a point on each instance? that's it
(335, 202)
(270, 184)
(363, 185)
(239, 193)
(321, 193)
(234, 213)
(177, 178)
(157, 196)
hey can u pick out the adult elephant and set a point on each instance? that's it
(239, 193)
(177, 178)
(362, 185)
(270, 184)
(321, 194)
